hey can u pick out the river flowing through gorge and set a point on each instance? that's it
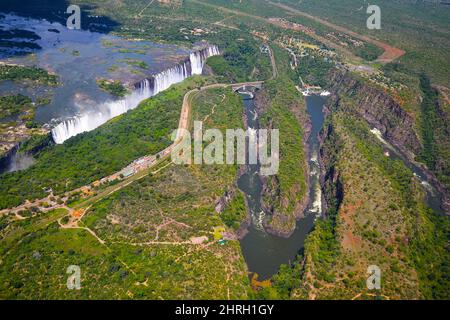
(264, 252)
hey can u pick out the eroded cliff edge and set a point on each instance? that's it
(382, 112)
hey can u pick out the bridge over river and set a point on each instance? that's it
(247, 87)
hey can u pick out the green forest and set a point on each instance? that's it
(103, 151)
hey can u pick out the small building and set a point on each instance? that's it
(127, 172)
(264, 49)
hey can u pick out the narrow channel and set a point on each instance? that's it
(263, 252)
(433, 197)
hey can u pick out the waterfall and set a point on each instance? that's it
(144, 89)
(198, 58)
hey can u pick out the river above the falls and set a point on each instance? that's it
(264, 252)
(79, 58)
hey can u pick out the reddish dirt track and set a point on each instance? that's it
(390, 53)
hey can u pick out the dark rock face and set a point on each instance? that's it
(262, 102)
(273, 202)
(224, 200)
(381, 111)
(332, 188)
(5, 159)
(378, 108)
(270, 194)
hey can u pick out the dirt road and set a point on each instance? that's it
(273, 63)
(141, 171)
(390, 53)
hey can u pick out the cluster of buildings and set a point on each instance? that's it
(381, 80)
(344, 39)
(262, 35)
(298, 49)
(375, 76)
(195, 31)
(137, 165)
(303, 49)
(264, 48)
(281, 22)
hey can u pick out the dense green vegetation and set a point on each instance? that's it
(434, 129)
(235, 211)
(241, 61)
(368, 52)
(111, 271)
(21, 108)
(20, 73)
(264, 10)
(12, 105)
(418, 27)
(429, 118)
(147, 228)
(427, 231)
(399, 174)
(115, 87)
(286, 112)
(283, 283)
(35, 143)
(90, 156)
(431, 230)
(314, 70)
(380, 218)
(367, 227)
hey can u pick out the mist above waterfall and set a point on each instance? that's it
(144, 89)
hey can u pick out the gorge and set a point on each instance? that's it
(265, 251)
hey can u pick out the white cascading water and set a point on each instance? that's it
(146, 89)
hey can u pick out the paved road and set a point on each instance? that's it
(139, 166)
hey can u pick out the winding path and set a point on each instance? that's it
(184, 123)
(390, 53)
(141, 170)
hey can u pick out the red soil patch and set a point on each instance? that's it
(390, 53)
(349, 240)
(77, 213)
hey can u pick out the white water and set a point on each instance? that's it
(315, 171)
(379, 135)
(147, 88)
